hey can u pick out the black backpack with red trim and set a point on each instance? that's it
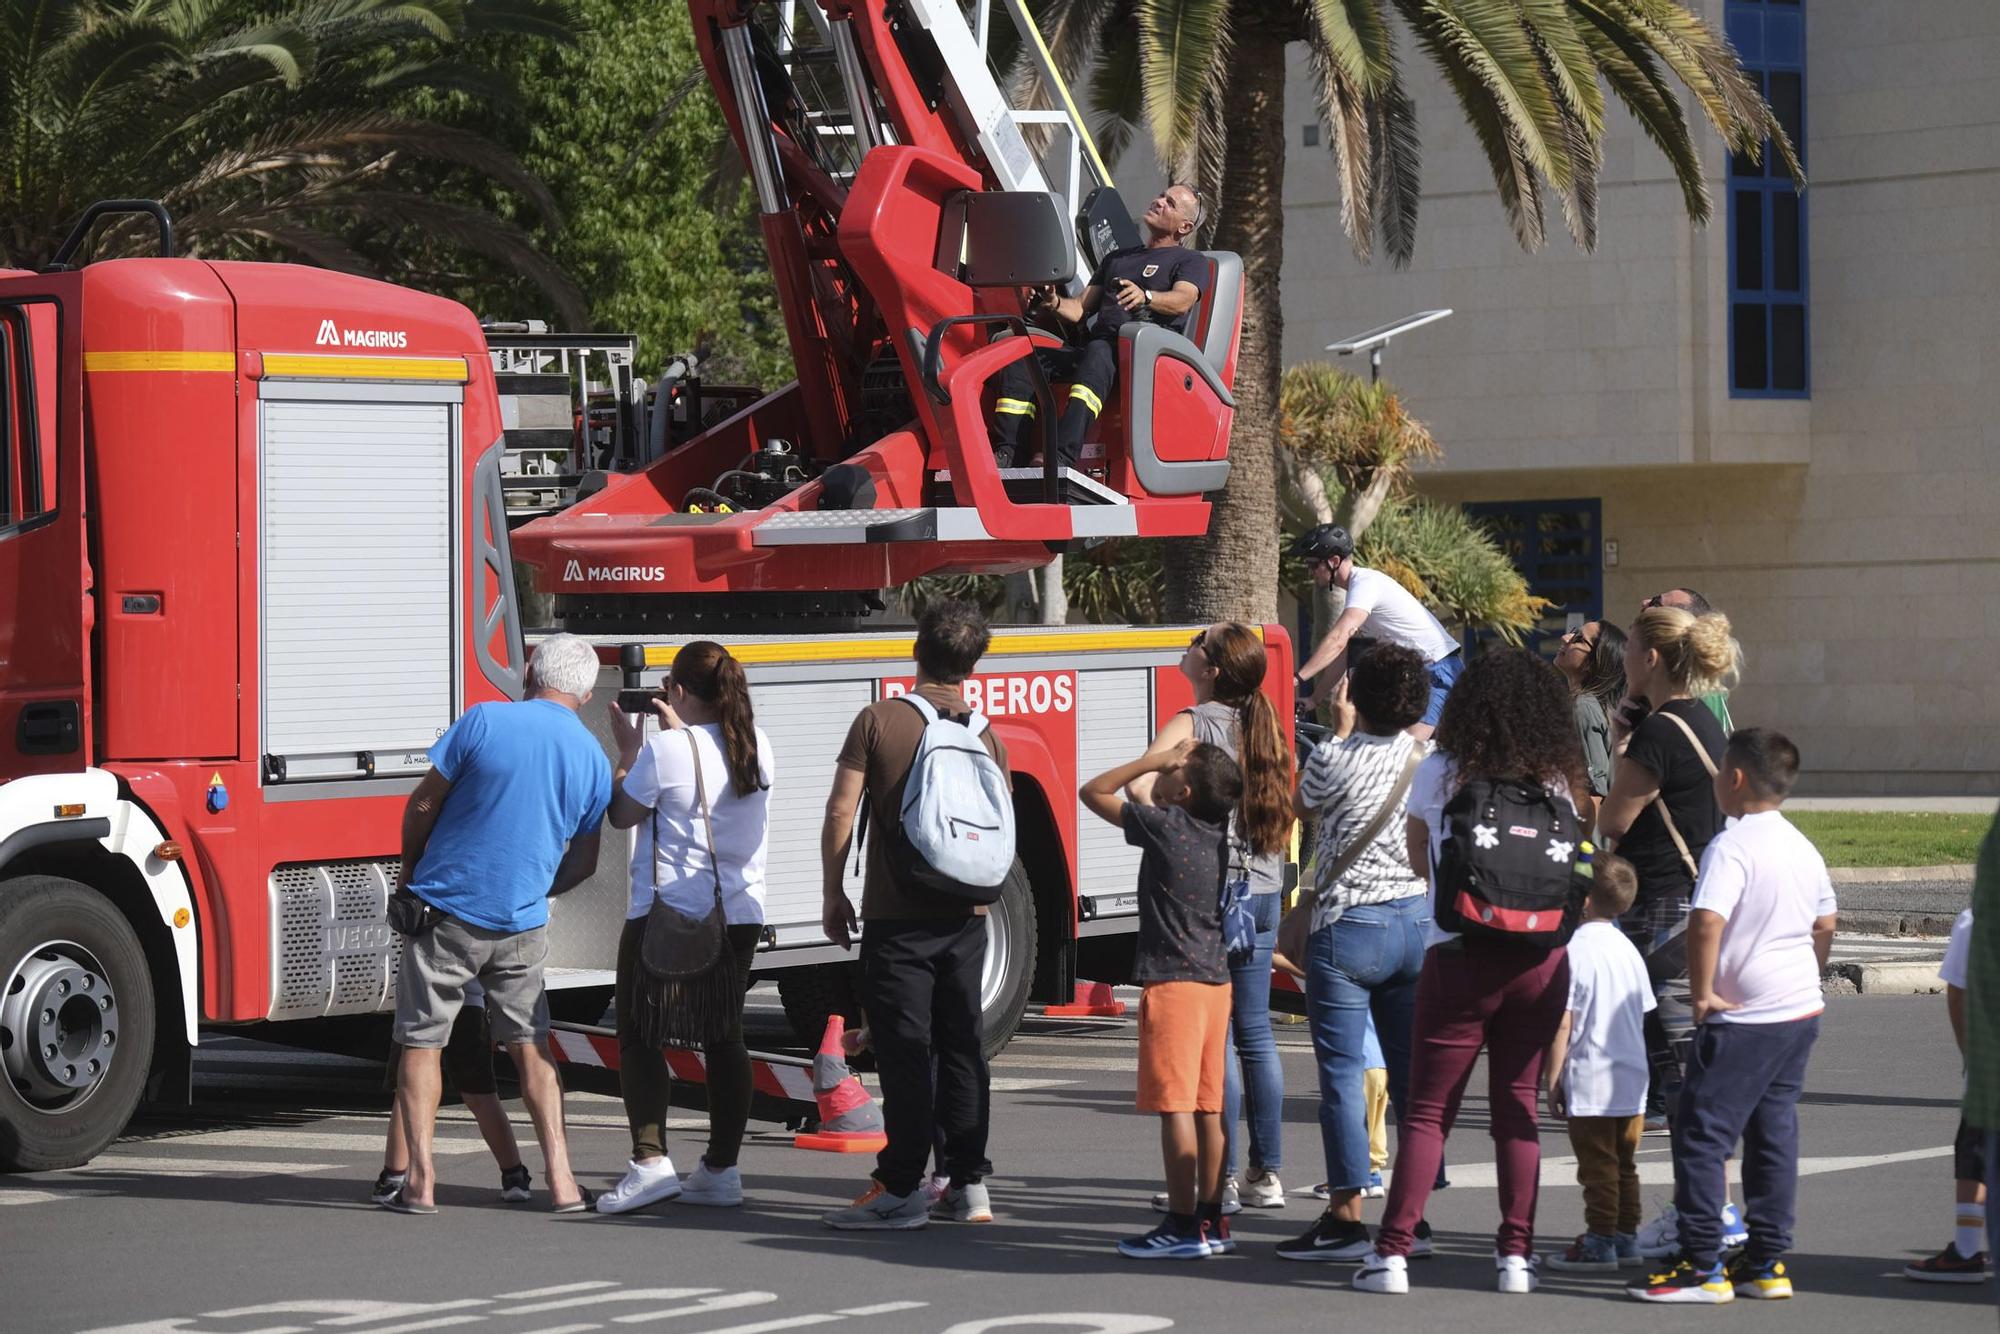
(1505, 868)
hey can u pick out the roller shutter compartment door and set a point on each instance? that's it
(357, 584)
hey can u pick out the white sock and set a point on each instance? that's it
(1970, 1237)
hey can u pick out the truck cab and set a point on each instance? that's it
(255, 544)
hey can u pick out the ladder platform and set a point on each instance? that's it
(940, 523)
(1024, 487)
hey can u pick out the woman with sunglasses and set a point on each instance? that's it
(1592, 660)
(1224, 666)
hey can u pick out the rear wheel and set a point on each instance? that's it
(76, 1023)
(812, 995)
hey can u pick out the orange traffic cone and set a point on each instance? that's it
(849, 1120)
(1093, 1001)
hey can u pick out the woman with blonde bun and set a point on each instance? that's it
(1661, 812)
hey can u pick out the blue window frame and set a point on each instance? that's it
(1555, 545)
(1769, 338)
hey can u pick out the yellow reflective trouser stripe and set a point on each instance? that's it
(1015, 407)
(1081, 394)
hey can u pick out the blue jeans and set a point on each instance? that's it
(1368, 961)
(1252, 1057)
(1743, 1083)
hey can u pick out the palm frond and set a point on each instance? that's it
(1343, 109)
(1356, 41)
(1182, 44)
(1633, 74)
(1395, 169)
(1513, 173)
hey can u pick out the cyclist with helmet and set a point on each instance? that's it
(1379, 608)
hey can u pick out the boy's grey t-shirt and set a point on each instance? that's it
(1180, 876)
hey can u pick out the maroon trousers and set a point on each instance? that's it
(1510, 1002)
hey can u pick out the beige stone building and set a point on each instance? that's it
(1795, 409)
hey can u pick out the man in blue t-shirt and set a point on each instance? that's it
(1158, 282)
(507, 816)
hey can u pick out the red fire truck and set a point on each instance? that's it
(253, 523)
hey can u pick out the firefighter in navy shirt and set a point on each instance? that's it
(1158, 281)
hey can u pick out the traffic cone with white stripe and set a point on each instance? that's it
(849, 1120)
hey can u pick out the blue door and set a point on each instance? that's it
(1555, 544)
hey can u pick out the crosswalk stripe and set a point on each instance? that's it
(771, 1326)
(185, 1167)
(277, 1140)
(1012, 1084)
(29, 1197)
(1561, 1171)
(883, 1308)
(528, 1295)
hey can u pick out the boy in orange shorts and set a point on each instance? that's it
(1175, 806)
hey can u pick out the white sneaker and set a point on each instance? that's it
(1383, 1273)
(1518, 1273)
(1261, 1190)
(643, 1184)
(721, 1188)
(1232, 1199)
(1662, 1236)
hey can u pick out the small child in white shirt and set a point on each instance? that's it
(1964, 1259)
(1759, 931)
(1596, 1072)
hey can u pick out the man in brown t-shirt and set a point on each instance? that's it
(922, 954)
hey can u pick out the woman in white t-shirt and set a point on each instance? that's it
(1508, 720)
(705, 719)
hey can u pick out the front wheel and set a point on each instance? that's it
(76, 1023)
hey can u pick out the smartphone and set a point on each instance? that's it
(638, 701)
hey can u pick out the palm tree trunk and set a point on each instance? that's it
(1232, 574)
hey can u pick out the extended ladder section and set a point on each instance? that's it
(908, 204)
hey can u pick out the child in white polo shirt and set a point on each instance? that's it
(1759, 931)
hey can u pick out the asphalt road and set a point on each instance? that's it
(250, 1215)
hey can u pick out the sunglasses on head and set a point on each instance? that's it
(1657, 600)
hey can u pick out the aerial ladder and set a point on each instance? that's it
(905, 202)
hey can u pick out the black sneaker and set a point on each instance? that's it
(1329, 1238)
(386, 1185)
(516, 1184)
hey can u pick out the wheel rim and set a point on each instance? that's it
(59, 1022)
(999, 958)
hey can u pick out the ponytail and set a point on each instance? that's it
(1265, 817)
(706, 670)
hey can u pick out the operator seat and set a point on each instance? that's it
(1175, 391)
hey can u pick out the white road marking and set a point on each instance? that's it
(1092, 1323)
(30, 1197)
(529, 1294)
(1016, 1084)
(364, 1312)
(1025, 1062)
(281, 1139)
(191, 1167)
(439, 1322)
(768, 1326)
(565, 1329)
(603, 1298)
(727, 1301)
(883, 1308)
(1561, 1171)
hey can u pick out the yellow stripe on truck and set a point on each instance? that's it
(159, 361)
(307, 366)
(898, 649)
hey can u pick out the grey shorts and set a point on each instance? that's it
(430, 988)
